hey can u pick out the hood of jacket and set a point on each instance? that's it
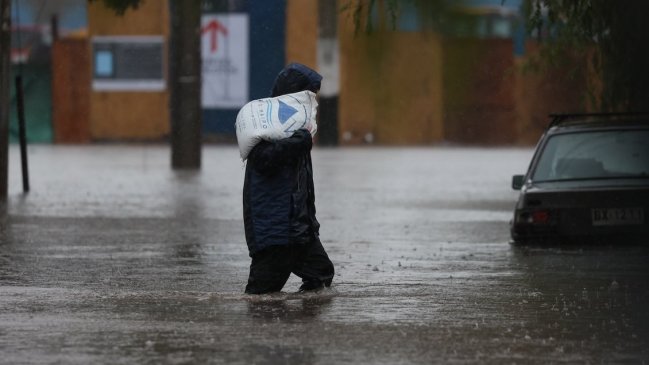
(296, 77)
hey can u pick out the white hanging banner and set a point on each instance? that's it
(224, 50)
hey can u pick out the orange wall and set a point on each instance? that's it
(547, 90)
(150, 18)
(418, 88)
(390, 87)
(479, 81)
(118, 115)
(302, 32)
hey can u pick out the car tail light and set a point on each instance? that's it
(536, 217)
(541, 217)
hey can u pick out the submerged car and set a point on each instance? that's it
(588, 181)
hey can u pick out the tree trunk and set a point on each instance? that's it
(185, 84)
(5, 84)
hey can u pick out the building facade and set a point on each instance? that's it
(402, 85)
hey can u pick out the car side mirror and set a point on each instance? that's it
(518, 181)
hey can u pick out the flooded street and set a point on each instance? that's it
(114, 258)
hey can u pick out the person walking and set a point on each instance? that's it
(279, 213)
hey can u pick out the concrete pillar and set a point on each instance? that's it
(329, 67)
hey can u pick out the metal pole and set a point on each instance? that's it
(54, 26)
(22, 135)
(20, 107)
(5, 83)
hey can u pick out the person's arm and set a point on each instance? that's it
(267, 156)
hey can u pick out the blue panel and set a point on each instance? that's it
(408, 20)
(74, 17)
(104, 63)
(22, 13)
(267, 48)
(219, 121)
(515, 4)
(267, 58)
(519, 39)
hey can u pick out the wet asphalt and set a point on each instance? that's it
(114, 258)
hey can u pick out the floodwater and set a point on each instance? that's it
(114, 258)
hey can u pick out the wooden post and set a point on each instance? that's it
(185, 84)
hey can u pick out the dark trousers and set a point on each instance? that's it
(271, 267)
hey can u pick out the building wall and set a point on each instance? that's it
(396, 87)
(559, 89)
(129, 115)
(71, 90)
(479, 81)
(413, 87)
(390, 87)
(302, 31)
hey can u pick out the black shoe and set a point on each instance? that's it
(312, 285)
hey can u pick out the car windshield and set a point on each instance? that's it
(594, 155)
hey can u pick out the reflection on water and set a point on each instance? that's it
(592, 298)
(289, 308)
(279, 354)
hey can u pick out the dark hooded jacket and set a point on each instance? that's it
(278, 194)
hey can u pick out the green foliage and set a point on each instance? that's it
(612, 34)
(361, 13)
(431, 13)
(120, 6)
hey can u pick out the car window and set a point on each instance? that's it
(594, 155)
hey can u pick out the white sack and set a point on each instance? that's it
(272, 119)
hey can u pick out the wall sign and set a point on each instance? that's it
(224, 49)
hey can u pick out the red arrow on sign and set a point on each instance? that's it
(214, 27)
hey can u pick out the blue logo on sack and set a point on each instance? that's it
(285, 112)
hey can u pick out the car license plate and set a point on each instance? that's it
(617, 216)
